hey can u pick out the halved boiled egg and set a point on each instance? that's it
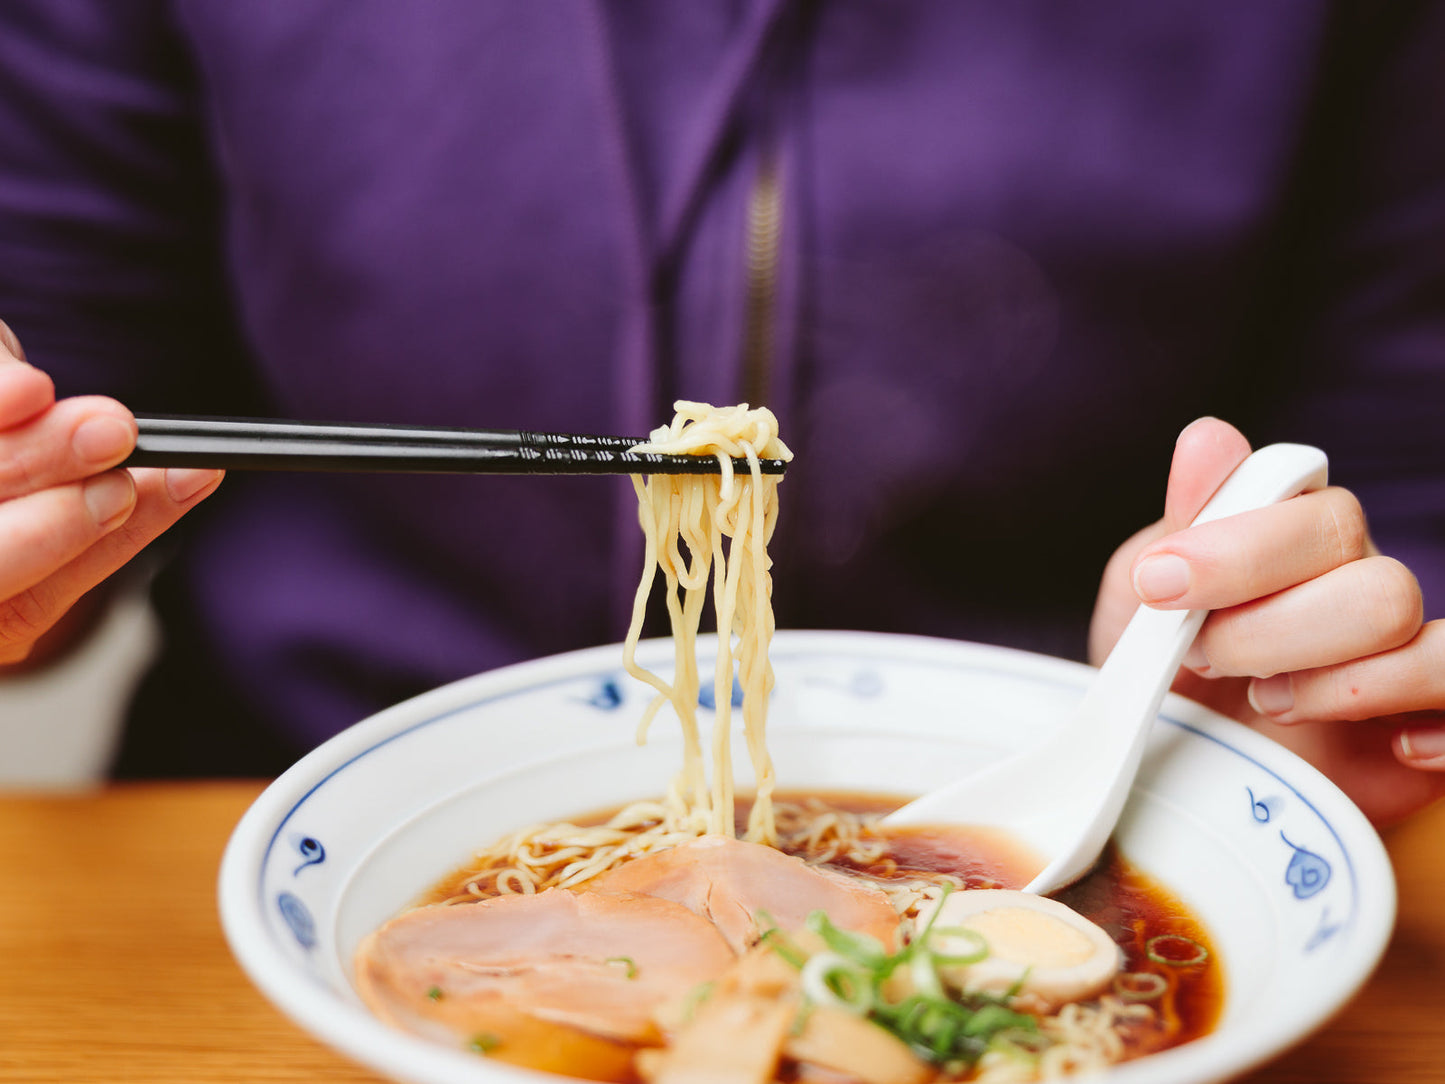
(1048, 951)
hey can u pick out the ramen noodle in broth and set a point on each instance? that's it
(775, 937)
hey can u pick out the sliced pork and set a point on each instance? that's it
(601, 963)
(743, 887)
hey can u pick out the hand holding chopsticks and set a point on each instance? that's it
(262, 444)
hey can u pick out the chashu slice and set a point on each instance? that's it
(738, 885)
(594, 962)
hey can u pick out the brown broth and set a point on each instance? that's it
(980, 857)
(1134, 908)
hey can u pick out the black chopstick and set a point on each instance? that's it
(271, 444)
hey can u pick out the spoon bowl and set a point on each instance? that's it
(1062, 798)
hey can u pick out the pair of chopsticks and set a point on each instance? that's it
(266, 444)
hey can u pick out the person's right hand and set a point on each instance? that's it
(68, 519)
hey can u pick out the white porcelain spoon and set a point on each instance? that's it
(1063, 797)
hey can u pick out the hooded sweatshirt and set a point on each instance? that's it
(983, 261)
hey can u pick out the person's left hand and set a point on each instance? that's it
(1315, 638)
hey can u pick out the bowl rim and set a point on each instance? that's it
(357, 1035)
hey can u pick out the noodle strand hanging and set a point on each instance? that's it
(724, 523)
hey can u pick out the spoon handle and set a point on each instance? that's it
(1114, 719)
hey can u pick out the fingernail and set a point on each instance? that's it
(1162, 578)
(183, 483)
(1195, 659)
(1424, 744)
(11, 342)
(109, 496)
(1271, 695)
(98, 440)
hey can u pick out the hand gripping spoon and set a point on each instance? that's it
(1063, 797)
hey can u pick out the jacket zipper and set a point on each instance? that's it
(763, 243)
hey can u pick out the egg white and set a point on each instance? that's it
(1042, 949)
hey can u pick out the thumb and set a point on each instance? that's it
(1205, 454)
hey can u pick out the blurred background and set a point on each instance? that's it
(60, 724)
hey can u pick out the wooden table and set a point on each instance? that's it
(113, 966)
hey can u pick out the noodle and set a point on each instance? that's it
(685, 519)
(698, 512)
(1087, 1037)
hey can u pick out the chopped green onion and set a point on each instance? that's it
(484, 1042)
(435, 993)
(940, 1026)
(1017, 986)
(857, 947)
(991, 1018)
(1140, 985)
(948, 1032)
(627, 962)
(778, 941)
(924, 974)
(922, 934)
(830, 979)
(695, 997)
(1162, 950)
(965, 933)
(1020, 1043)
(800, 1018)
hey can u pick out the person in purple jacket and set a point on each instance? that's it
(984, 261)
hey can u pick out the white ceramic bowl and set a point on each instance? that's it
(1287, 875)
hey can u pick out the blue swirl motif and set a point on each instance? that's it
(707, 696)
(311, 850)
(1262, 809)
(1323, 932)
(607, 697)
(303, 926)
(1307, 872)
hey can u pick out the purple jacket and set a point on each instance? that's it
(983, 260)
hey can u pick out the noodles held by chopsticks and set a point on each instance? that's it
(725, 522)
